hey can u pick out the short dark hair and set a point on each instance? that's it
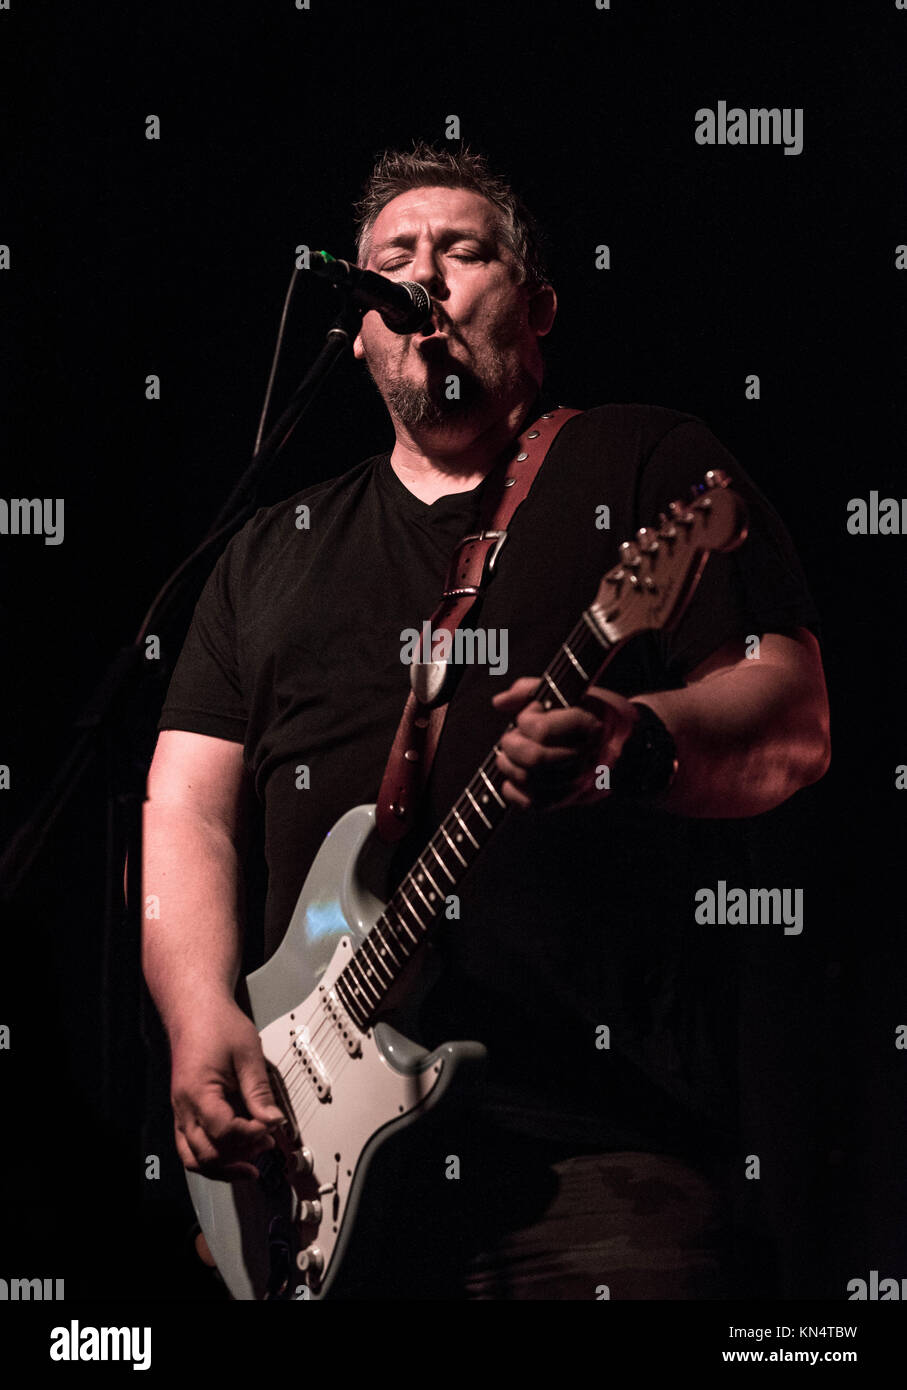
(426, 166)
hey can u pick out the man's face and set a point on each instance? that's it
(484, 329)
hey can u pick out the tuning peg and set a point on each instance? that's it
(647, 539)
(716, 477)
(629, 554)
(681, 514)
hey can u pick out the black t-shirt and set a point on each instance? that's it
(570, 920)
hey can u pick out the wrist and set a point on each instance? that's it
(648, 762)
(198, 1014)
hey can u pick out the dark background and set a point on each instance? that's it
(132, 257)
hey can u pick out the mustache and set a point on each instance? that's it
(442, 322)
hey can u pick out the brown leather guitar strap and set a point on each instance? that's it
(471, 567)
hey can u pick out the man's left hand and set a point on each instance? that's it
(554, 758)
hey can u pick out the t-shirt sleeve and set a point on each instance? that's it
(205, 695)
(758, 588)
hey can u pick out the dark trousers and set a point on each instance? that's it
(496, 1218)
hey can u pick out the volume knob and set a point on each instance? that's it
(303, 1161)
(310, 1260)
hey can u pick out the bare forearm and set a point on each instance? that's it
(746, 741)
(192, 920)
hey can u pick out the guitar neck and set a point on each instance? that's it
(376, 966)
(649, 588)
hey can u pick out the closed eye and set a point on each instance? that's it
(453, 255)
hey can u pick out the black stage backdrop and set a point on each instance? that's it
(131, 257)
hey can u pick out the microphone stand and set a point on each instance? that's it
(103, 727)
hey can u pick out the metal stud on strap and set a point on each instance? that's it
(433, 682)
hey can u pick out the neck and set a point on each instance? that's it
(434, 462)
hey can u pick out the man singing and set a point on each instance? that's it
(602, 1147)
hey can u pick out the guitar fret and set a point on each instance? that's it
(410, 908)
(571, 685)
(412, 880)
(465, 827)
(360, 968)
(389, 925)
(401, 919)
(596, 631)
(478, 808)
(421, 864)
(378, 931)
(491, 787)
(348, 999)
(451, 876)
(454, 848)
(377, 963)
(587, 646)
(570, 657)
(550, 682)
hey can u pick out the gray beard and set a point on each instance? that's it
(423, 406)
(429, 407)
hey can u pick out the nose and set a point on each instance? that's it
(426, 270)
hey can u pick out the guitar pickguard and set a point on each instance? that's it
(349, 1090)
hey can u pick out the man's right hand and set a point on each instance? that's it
(219, 1072)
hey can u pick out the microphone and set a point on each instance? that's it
(403, 305)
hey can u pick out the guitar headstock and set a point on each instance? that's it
(659, 569)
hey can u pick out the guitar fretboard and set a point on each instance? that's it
(378, 963)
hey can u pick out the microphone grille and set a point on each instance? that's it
(418, 294)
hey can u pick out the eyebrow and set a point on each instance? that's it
(450, 234)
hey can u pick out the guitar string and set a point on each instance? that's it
(559, 668)
(333, 1054)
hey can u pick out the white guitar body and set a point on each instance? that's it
(349, 1090)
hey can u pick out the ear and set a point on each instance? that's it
(542, 309)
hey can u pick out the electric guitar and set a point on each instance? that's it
(346, 1080)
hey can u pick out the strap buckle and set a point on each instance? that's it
(499, 537)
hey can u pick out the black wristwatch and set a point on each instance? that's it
(648, 764)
